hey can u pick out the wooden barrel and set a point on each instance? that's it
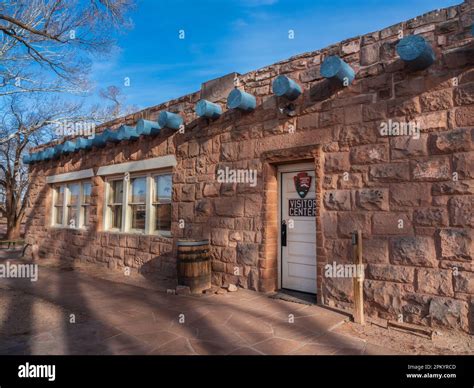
(194, 265)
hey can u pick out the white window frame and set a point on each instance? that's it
(107, 210)
(65, 206)
(126, 206)
(69, 206)
(129, 205)
(166, 233)
(57, 187)
(83, 206)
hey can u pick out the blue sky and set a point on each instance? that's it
(222, 36)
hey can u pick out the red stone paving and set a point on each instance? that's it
(118, 318)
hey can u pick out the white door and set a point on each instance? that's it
(298, 214)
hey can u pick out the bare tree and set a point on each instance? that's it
(24, 122)
(45, 50)
(113, 94)
(27, 121)
(40, 38)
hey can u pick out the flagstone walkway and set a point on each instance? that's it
(67, 312)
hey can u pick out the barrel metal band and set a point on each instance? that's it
(193, 252)
(200, 259)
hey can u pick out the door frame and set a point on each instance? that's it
(285, 168)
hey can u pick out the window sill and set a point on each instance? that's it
(138, 233)
(60, 227)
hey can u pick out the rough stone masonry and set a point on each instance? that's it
(413, 198)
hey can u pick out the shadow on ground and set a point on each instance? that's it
(69, 312)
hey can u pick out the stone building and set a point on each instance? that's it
(323, 166)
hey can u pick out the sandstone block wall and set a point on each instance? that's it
(412, 198)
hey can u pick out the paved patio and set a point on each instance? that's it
(117, 318)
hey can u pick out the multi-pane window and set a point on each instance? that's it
(58, 205)
(71, 203)
(115, 201)
(139, 203)
(162, 202)
(74, 191)
(86, 202)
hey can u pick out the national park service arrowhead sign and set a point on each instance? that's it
(302, 183)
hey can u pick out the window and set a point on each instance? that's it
(86, 202)
(58, 205)
(74, 191)
(115, 204)
(71, 204)
(139, 203)
(162, 202)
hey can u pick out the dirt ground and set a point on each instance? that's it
(443, 343)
